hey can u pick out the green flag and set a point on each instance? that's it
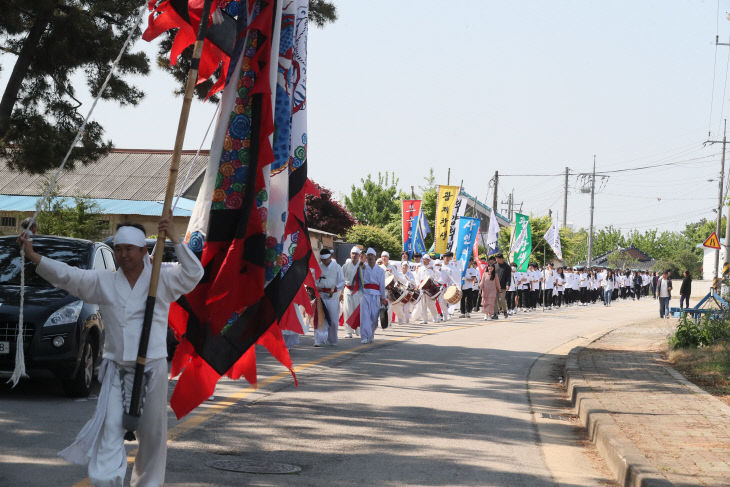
(522, 245)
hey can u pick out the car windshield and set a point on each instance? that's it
(71, 252)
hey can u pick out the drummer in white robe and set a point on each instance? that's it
(373, 298)
(329, 285)
(352, 294)
(451, 276)
(403, 311)
(426, 303)
(122, 298)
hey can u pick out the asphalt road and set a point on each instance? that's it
(427, 405)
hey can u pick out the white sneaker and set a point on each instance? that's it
(468, 315)
(364, 341)
(487, 317)
(349, 335)
(424, 322)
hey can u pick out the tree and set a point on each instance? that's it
(79, 220)
(377, 238)
(376, 202)
(325, 213)
(52, 41)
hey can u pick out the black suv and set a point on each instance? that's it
(62, 335)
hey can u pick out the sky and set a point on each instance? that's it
(521, 87)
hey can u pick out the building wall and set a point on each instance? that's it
(149, 222)
(321, 240)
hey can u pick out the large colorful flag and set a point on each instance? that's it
(410, 211)
(466, 237)
(552, 237)
(248, 222)
(522, 244)
(493, 234)
(418, 234)
(447, 196)
(458, 212)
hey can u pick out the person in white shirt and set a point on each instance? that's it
(583, 287)
(559, 287)
(548, 277)
(373, 278)
(443, 276)
(426, 303)
(469, 289)
(403, 311)
(352, 293)
(664, 292)
(523, 291)
(575, 285)
(122, 298)
(608, 284)
(533, 277)
(329, 284)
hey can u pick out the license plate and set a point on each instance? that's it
(4, 347)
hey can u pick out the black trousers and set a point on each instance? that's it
(583, 295)
(468, 298)
(557, 298)
(510, 295)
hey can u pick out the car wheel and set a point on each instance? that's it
(80, 384)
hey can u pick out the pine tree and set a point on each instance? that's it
(55, 40)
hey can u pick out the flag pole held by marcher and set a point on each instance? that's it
(131, 417)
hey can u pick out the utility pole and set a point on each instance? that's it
(448, 177)
(718, 223)
(565, 201)
(511, 204)
(413, 194)
(496, 186)
(590, 235)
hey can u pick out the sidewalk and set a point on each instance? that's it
(651, 425)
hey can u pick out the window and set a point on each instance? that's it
(7, 221)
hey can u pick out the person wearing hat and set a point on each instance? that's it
(122, 299)
(426, 303)
(450, 276)
(352, 293)
(373, 278)
(403, 311)
(388, 267)
(329, 285)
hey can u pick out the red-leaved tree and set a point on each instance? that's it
(325, 213)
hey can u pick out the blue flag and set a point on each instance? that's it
(419, 230)
(465, 238)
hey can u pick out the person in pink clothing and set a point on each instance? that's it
(490, 289)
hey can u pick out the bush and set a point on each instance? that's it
(710, 330)
(377, 238)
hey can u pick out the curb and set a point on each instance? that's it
(628, 465)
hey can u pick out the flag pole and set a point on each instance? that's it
(131, 418)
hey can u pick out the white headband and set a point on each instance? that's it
(129, 236)
(355, 250)
(371, 251)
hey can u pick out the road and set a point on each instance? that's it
(461, 403)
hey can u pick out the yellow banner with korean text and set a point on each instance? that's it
(444, 207)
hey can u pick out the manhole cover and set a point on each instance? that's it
(254, 466)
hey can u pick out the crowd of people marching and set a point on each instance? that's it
(368, 290)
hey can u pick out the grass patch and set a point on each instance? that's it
(708, 367)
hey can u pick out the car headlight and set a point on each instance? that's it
(68, 314)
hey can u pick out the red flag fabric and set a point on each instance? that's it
(252, 279)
